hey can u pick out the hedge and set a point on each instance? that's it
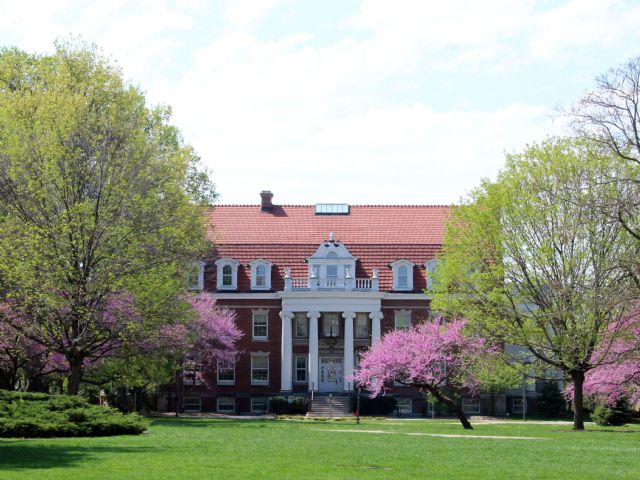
(41, 415)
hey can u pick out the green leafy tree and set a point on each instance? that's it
(99, 199)
(536, 260)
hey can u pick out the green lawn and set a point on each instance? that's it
(229, 449)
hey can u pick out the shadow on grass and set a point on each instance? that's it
(208, 422)
(21, 455)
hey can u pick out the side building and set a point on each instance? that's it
(312, 287)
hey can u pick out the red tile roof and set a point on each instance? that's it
(298, 224)
(376, 235)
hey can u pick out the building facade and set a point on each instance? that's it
(312, 287)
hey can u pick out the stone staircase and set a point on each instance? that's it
(335, 405)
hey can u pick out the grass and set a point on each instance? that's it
(201, 448)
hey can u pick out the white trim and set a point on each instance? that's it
(429, 269)
(232, 400)
(220, 264)
(199, 285)
(395, 266)
(193, 397)
(259, 355)
(402, 312)
(406, 296)
(304, 356)
(262, 400)
(260, 338)
(225, 382)
(254, 274)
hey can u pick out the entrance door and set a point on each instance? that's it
(331, 374)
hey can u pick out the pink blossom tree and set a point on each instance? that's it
(617, 373)
(431, 357)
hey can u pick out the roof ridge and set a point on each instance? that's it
(257, 205)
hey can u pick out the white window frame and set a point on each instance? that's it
(429, 269)
(395, 266)
(221, 366)
(297, 369)
(254, 274)
(196, 404)
(407, 409)
(367, 322)
(199, 285)
(335, 333)
(518, 410)
(254, 356)
(220, 264)
(262, 401)
(397, 315)
(190, 373)
(300, 316)
(228, 401)
(471, 405)
(259, 338)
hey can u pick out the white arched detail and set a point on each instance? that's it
(260, 274)
(227, 274)
(402, 275)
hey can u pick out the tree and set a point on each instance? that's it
(496, 374)
(535, 260)
(99, 198)
(609, 115)
(436, 359)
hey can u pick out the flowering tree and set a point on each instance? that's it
(431, 357)
(617, 375)
(67, 341)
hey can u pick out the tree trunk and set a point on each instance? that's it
(453, 406)
(74, 377)
(578, 398)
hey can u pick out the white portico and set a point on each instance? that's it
(336, 311)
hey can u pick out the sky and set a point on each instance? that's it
(348, 101)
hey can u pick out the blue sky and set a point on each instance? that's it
(364, 102)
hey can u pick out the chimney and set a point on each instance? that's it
(265, 204)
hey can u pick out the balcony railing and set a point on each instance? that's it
(331, 283)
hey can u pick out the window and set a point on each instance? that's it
(192, 404)
(260, 324)
(430, 268)
(402, 275)
(403, 406)
(332, 271)
(470, 405)
(330, 325)
(301, 328)
(195, 277)
(517, 405)
(260, 275)
(259, 405)
(227, 276)
(301, 368)
(362, 326)
(402, 319)
(226, 373)
(226, 405)
(191, 374)
(259, 369)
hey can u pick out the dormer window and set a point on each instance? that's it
(430, 268)
(260, 275)
(195, 277)
(402, 275)
(227, 278)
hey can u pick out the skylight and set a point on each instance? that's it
(332, 209)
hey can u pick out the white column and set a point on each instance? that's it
(348, 350)
(313, 349)
(286, 352)
(375, 326)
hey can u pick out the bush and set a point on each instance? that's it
(551, 403)
(41, 415)
(280, 404)
(616, 415)
(375, 406)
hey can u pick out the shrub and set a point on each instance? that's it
(280, 404)
(616, 415)
(41, 415)
(551, 403)
(375, 406)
